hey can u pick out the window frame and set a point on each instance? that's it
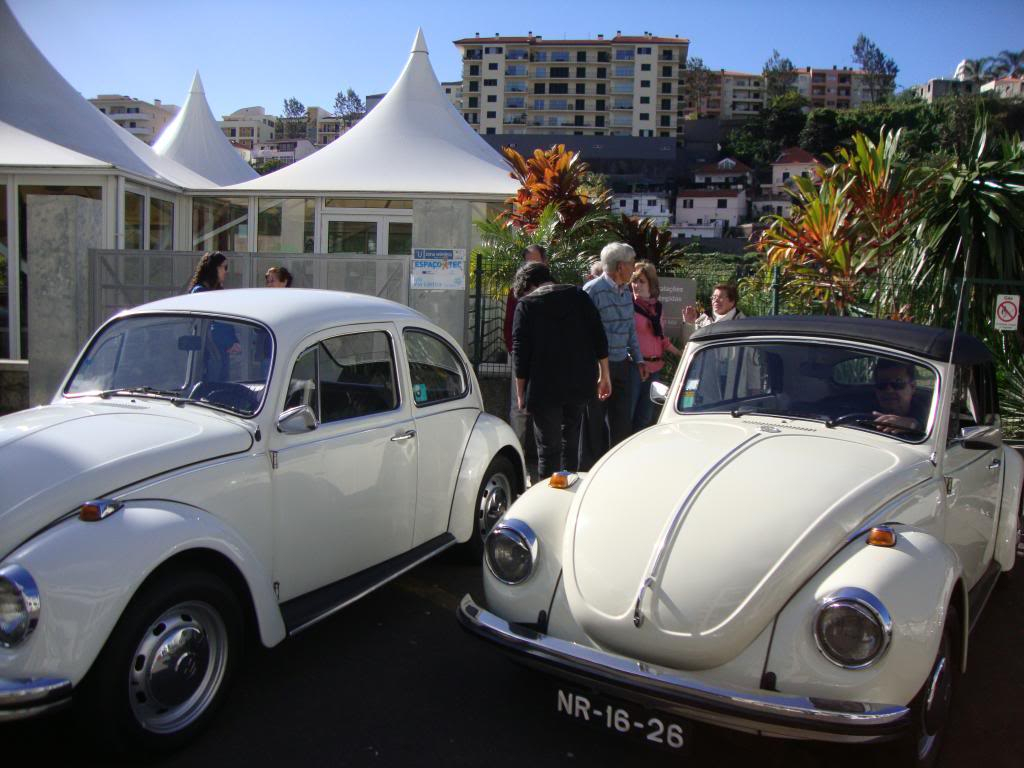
(468, 388)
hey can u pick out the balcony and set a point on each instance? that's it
(517, 54)
(625, 55)
(515, 87)
(473, 56)
(516, 70)
(515, 120)
(136, 116)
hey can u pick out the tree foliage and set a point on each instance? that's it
(294, 108)
(880, 70)
(698, 84)
(347, 104)
(779, 75)
(553, 176)
(649, 242)
(760, 138)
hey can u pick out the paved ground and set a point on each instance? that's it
(394, 681)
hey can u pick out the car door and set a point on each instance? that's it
(344, 492)
(973, 473)
(445, 414)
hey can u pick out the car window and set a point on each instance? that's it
(964, 406)
(435, 369)
(345, 377)
(212, 361)
(822, 381)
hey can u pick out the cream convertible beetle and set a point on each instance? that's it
(224, 462)
(798, 548)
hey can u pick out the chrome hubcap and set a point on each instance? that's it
(177, 667)
(937, 700)
(494, 502)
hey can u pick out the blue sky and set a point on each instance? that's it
(258, 52)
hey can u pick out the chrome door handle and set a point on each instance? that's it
(407, 435)
(996, 464)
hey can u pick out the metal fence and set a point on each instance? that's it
(122, 279)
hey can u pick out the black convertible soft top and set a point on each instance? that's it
(932, 343)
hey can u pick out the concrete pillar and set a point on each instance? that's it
(443, 224)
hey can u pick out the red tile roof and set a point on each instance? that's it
(795, 156)
(715, 168)
(709, 193)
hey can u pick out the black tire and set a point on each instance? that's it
(498, 489)
(165, 667)
(921, 745)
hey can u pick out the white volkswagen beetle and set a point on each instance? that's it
(798, 548)
(223, 463)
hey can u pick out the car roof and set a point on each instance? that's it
(287, 310)
(933, 343)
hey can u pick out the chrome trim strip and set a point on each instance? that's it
(391, 577)
(21, 698)
(650, 580)
(763, 712)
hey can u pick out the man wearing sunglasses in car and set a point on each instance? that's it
(899, 412)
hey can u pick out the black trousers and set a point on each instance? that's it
(556, 429)
(616, 412)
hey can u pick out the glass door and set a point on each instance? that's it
(347, 233)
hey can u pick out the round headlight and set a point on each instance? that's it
(511, 551)
(19, 605)
(852, 629)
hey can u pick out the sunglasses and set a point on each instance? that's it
(895, 384)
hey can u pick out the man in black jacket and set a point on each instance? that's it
(561, 358)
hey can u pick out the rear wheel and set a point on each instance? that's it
(496, 494)
(166, 665)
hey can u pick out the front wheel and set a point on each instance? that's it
(932, 707)
(166, 665)
(496, 494)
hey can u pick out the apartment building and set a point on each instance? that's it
(621, 86)
(286, 151)
(732, 96)
(248, 126)
(836, 88)
(1005, 87)
(938, 87)
(452, 89)
(140, 118)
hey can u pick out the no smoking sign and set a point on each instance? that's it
(1007, 312)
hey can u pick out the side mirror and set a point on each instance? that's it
(659, 392)
(981, 438)
(297, 420)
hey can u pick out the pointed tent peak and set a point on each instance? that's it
(419, 45)
(197, 84)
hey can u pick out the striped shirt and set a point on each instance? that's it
(615, 305)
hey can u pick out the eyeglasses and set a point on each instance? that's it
(895, 385)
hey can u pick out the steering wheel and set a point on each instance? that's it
(846, 418)
(227, 394)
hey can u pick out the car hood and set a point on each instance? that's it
(56, 457)
(757, 509)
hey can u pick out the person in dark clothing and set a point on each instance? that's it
(561, 362)
(210, 274)
(518, 419)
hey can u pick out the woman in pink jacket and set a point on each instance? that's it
(653, 341)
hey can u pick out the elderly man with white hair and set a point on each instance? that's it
(613, 298)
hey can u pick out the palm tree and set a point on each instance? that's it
(649, 241)
(1008, 64)
(974, 70)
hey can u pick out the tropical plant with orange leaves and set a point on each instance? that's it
(553, 176)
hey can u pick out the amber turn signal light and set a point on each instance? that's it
(882, 536)
(563, 479)
(94, 511)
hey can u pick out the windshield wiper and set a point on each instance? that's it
(175, 397)
(755, 411)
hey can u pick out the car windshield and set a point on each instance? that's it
(835, 384)
(212, 361)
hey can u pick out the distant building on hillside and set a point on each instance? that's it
(938, 87)
(836, 88)
(791, 163)
(286, 151)
(732, 96)
(709, 212)
(140, 118)
(248, 126)
(724, 174)
(1005, 87)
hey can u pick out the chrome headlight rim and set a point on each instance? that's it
(25, 588)
(867, 605)
(522, 534)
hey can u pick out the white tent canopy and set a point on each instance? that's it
(42, 117)
(194, 140)
(413, 141)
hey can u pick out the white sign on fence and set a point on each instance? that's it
(1007, 311)
(438, 269)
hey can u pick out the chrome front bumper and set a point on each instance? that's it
(752, 711)
(27, 697)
